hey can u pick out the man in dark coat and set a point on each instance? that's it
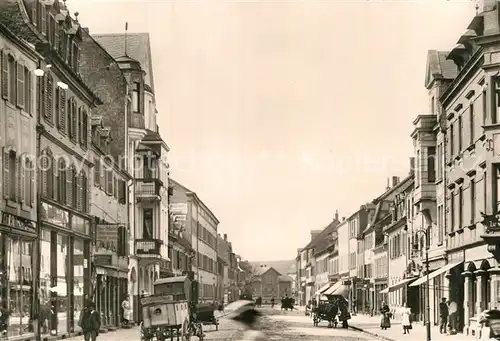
(90, 322)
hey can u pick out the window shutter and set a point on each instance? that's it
(97, 172)
(34, 14)
(102, 177)
(55, 185)
(6, 176)
(27, 90)
(74, 119)
(20, 84)
(16, 195)
(69, 187)
(23, 177)
(45, 165)
(80, 122)
(43, 17)
(48, 98)
(62, 110)
(5, 75)
(56, 35)
(32, 190)
(68, 116)
(79, 194)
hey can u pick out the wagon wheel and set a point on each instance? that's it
(186, 331)
(201, 335)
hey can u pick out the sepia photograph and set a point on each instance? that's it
(249, 170)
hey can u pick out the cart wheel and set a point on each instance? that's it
(185, 331)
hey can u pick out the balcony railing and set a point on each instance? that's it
(136, 121)
(146, 247)
(148, 190)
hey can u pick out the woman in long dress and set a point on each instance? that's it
(406, 321)
(385, 321)
(126, 311)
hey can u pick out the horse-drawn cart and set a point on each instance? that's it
(205, 314)
(169, 313)
(333, 310)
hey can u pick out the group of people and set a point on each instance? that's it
(386, 315)
(448, 316)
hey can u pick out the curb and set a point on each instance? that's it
(382, 337)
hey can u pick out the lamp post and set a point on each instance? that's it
(427, 283)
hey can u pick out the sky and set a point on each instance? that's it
(278, 113)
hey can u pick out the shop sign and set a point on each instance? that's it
(103, 260)
(55, 216)
(107, 236)
(178, 209)
(16, 222)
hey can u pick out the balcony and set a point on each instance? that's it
(148, 248)
(148, 191)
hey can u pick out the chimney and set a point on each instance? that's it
(225, 237)
(337, 215)
(315, 233)
(412, 165)
(388, 186)
(395, 181)
(343, 218)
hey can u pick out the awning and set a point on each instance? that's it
(436, 273)
(323, 288)
(338, 289)
(397, 286)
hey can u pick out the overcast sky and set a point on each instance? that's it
(278, 113)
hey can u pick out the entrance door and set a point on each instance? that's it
(413, 295)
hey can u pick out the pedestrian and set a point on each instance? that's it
(443, 316)
(244, 312)
(90, 322)
(272, 302)
(453, 310)
(385, 321)
(406, 319)
(127, 311)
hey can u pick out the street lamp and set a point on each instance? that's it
(427, 281)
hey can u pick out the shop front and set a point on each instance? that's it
(64, 269)
(110, 272)
(17, 261)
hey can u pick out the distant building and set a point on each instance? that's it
(269, 283)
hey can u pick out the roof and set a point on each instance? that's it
(138, 48)
(438, 67)
(285, 278)
(166, 280)
(325, 239)
(282, 266)
(260, 270)
(319, 241)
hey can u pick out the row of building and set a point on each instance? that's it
(87, 207)
(446, 209)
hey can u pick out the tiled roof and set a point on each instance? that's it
(138, 47)
(439, 66)
(260, 270)
(13, 15)
(325, 239)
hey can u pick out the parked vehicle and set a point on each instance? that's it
(205, 314)
(170, 313)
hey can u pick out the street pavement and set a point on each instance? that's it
(276, 324)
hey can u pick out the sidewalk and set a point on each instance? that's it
(371, 325)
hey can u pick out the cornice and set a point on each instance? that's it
(66, 148)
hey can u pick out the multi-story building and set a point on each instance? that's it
(18, 203)
(343, 257)
(110, 176)
(201, 227)
(229, 289)
(307, 269)
(63, 105)
(356, 224)
(150, 162)
(396, 233)
(110, 211)
(268, 283)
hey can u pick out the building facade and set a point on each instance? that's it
(18, 202)
(201, 228)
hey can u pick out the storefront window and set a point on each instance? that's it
(16, 282)
(80, 225)
(45, 263)
(78, 281)
(61, 289)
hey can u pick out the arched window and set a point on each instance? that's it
(62, 180)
